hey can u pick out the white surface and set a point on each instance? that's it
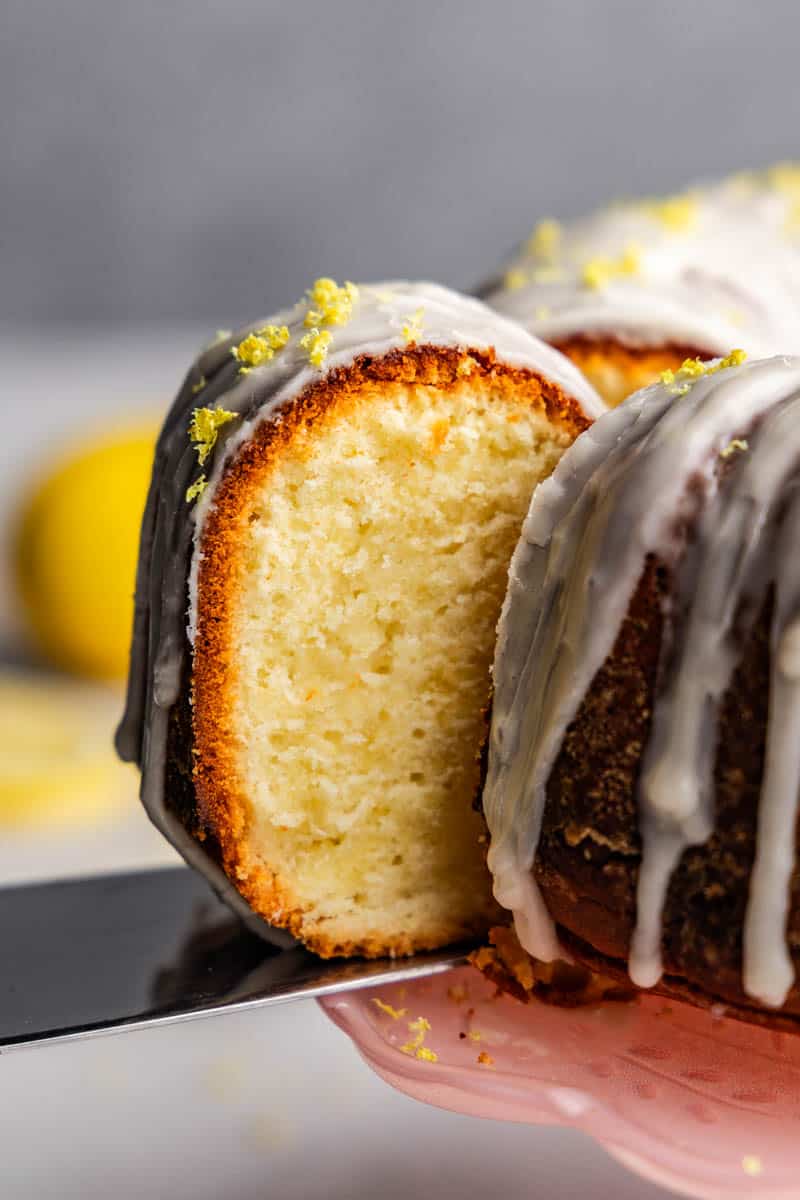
(272, 1104)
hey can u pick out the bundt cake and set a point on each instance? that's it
(336, 496)
(644, 763)
(638, 287)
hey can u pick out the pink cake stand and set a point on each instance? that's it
(690, 1099)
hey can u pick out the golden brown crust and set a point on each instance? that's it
(221, 804)
(617, 368)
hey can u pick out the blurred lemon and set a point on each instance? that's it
(76, 545)
(57, 763)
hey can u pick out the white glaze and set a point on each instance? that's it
(613, 500)
(731, 277)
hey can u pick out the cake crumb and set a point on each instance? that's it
(485, 1060)
(458, 993)
(732, 447)
(752, 1165)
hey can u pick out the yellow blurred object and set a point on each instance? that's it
(75, 552)
(57, 761)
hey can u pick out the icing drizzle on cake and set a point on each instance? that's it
(623, 493)
(715, 266)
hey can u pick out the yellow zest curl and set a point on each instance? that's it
(412, 330)
(691, 369)
(316, 342)
(514, 279)
(785, 177)
(204, 429)
(415, 1046)
(331, 304)
(196, 489)
(676, 213)
(598, 272)
(259, 347)
(394, 1013)
(545, 240)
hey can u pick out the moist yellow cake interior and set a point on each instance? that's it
(370, 579)
(616, 370)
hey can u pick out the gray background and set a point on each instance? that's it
(188, 162)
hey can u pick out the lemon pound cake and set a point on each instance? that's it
(644, 768)
(336, 496)
(638, 287)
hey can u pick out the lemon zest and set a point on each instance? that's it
(598, 272)
(691, 369)
(412, 329)
(260, 346)
(330, 304)
(545, 240)
(415, 1046)
(394, 1013)
(316, 342)
(676, 213)
(199, 385)
(514, 279)
(204, 429)
(784, 177)
(196, 489)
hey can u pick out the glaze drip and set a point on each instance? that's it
(628, 490)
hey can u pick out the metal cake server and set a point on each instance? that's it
(112, 952)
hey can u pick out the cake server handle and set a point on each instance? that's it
(111, 952)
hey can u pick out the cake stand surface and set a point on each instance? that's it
(689, 1098)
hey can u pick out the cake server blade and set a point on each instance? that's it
(114, 952)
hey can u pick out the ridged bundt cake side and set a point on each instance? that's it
(644, 777)
(314, 745)
(636, 287)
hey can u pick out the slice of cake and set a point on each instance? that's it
(336, 496)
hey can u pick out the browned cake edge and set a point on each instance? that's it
(215, 810)
(605, 358)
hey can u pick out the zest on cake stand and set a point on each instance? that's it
(687, 1097)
